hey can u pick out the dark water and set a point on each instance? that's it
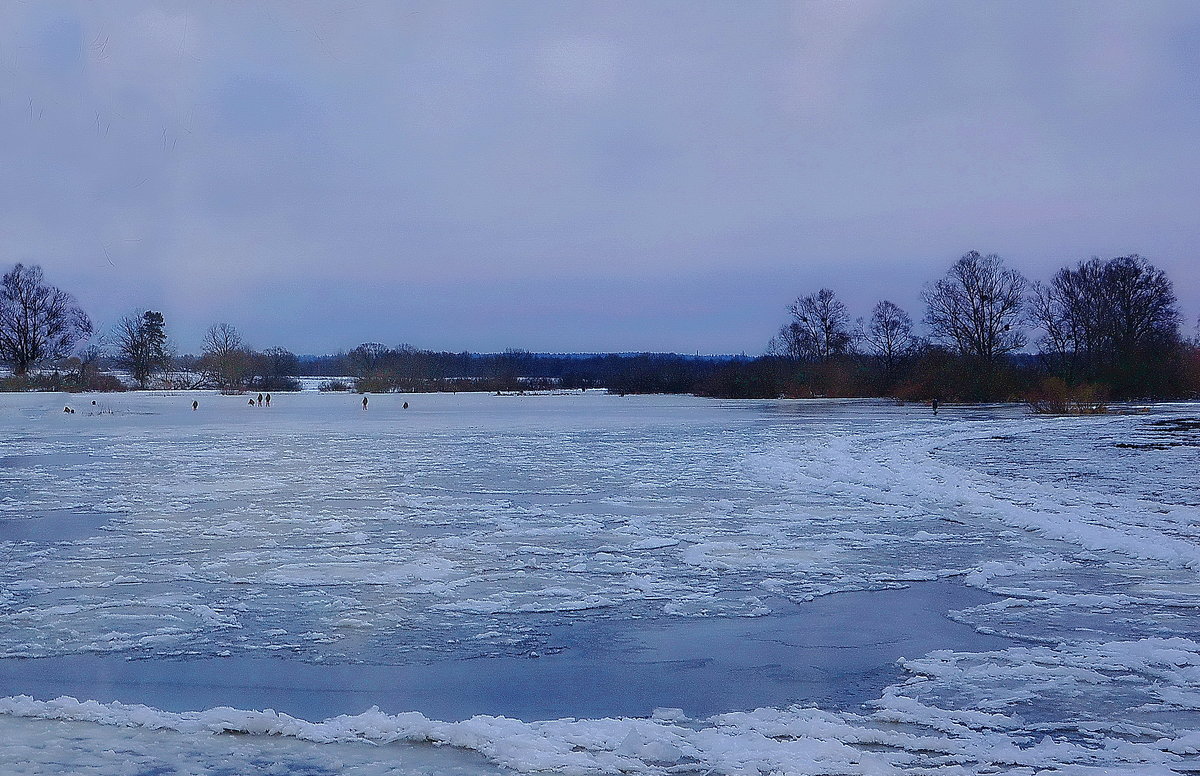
(52, 525)
(45, 460)
(836, 652)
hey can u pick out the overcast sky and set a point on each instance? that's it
(582, 176)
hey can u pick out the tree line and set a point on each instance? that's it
(42, 325)
(1103, 327)
(1099, 329)
(376, 367)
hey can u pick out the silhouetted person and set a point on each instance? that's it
(935, 406)
(68, 409)
(268, 400)
(195, 404)
(252, 402)
(260, 400)
(364, 402)
(405, 405)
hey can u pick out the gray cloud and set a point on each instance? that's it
(577, 175)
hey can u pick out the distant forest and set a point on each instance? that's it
(1101, 330)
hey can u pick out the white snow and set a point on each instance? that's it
(330, 533)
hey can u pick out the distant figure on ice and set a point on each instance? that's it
(195, 404)
(935, 406)
(405, 405)
(364, 402)
(268, 400)
(252, 402)
(260, 400)
(68, 409)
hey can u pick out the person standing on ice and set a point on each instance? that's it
(935, 406)
(364, 402)
(268, 400)
(260, 400)
(195, 404)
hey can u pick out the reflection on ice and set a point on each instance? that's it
(51, 525)
(837, 652)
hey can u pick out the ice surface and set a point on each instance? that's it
(838, 652)
(478, 527)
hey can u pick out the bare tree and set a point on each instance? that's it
(191, 372)
(978, 307)
(819, 329)
(889, 335)
(368, 359)
(273, 370)
(226, 358)
(1141, 305)
(84, 366)
(1108, 320)
(89, 362)
(37, 321)
(141, 345)
(1070, 312)
(280, 362)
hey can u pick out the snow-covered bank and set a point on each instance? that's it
(905, 732)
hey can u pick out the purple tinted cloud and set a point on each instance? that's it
(582, 176)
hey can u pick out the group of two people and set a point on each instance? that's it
(364, 403)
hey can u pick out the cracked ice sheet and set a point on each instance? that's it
(338, 534)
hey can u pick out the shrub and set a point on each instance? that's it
(374, 385)
(334, 385)
(1054, 397)
(102, 383)
(62, 381)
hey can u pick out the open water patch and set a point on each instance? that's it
(52, 525)
(45, 460)
(838, 651)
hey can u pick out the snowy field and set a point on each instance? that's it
(588, 584)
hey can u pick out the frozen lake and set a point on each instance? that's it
(589, 583)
